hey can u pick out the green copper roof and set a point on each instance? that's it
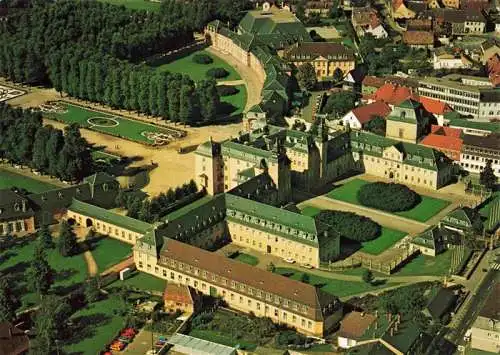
(430, 238)
(280, 221)
(459, 217)
(109, 217)
(246, 152)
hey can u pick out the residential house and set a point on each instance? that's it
(180, 298)
(445, 139)
(441, 304)
(461, 220)
(393, 94)
(447, 58)
(429, 242)
(464, 22)
(13, 341)
(485, 331)
(321, 7)
(477, 150)
(400, 11)
(354, 328)
(418, 39)
(358, 117)
(16, 213)
(435, 107)
(366, 20)
(418, 24)
(326, 57)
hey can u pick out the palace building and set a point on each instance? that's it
(243, 287)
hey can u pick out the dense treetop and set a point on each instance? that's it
(388, 196)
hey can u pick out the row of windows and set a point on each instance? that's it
(283, 253)
(11, 227)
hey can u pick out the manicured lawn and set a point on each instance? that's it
(108, 252)
(117, 126)
(142, 281)
(339, 288)
(197, 72)
(427, 265)
(97, 326)
(69, 272)
(9, 179)
(223, 339)
(387, 239)
(246, 258)
(136, 4)
(426, 209)
(234, 104)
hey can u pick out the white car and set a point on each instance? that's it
(290, 260)
(307, 266)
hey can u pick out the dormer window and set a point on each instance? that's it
(59, 195)
(17, 207)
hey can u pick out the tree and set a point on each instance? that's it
(300, 10)
(304, 278)
(50, 324)
(39, 274)
(271, 267)
(92, 290)
(349, 225)
(388, 196)
(306, 76)
(367, 276)
(338, 75)
(377, 125)
(7, 305)
(338, 104)
(66, 243)
(335, 10)
(487, 177)
(45, 237)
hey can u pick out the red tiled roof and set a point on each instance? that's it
(177, 293)
(394, 94)
(418, 37)
(442, 142)
(13, 341)
(368, 112)
(355, 324)
(373, 81)
(435, 106)
(493, 69)
(446, 131)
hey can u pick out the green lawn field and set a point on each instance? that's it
(142, 281)
(235, 103)
(136, 4)
(98, 325)
(69, 272)
(197, 72)
(108, 252)
(339, 288)
(426, 209)
(129, 129)
(9, 179)
(387, 238)
(247, 259)
(427, 265)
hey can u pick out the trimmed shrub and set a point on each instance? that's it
(289, 337)
(350, 225)
(388, 196)
(202, 59)
(217, 73)
(227, 90)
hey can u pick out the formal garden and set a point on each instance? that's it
(358, 233)
(199, 69)
(9, 179)
(420, 208)
(133, 130)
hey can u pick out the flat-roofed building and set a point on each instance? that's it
(477, 150)
(243, 287)
(485, 332)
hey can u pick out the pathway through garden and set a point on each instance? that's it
(81, 235)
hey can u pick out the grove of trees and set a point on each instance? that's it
(25, 141)
(339, 103)
(388, 196)
(350, 225)
(306, 76)
(93, 51)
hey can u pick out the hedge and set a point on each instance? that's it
(202, 59)
(350, 225)
(388, 196)
(217, 73)
(227, 90)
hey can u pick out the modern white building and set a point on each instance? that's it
(477, 150)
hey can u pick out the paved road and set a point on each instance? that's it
(383, 218)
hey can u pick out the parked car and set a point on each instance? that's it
(307, 266)
(290, 260)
